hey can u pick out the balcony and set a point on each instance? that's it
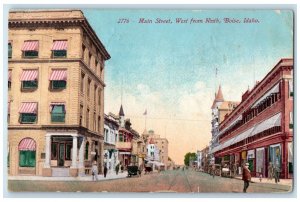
(123, 145)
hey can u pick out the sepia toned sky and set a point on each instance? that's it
(169, 69)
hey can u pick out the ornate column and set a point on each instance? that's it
(47, 151)
(74, 152)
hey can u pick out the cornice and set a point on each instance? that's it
(61, 23)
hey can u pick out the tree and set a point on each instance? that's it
(189, 156)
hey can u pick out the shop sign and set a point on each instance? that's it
(244, 155)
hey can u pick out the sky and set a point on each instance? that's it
(170, 69)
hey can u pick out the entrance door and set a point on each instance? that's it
(61, 156)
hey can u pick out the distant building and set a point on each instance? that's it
(111, 127)
(55, 91)
(220, 109)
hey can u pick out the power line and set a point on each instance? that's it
(165, 118)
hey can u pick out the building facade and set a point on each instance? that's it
(260, 129)
(111, 127)
(56, 84)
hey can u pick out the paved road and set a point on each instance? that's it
(168, 181)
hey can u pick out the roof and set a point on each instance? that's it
(218, 97)
(121, 112)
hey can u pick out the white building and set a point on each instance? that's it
(111, 127)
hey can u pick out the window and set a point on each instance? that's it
(27, 159)
(81, 113)
(58, 113)
(291, 125)
(87, 118)
(291, 89)
(86, 154)
(99, 97)
(95, 94)
(28, 118)
(9, 79)
(27, 148)
(59, 49)
(88, 87)
(99, 123)
(9, 50)
(82, 83)
(54, 148)
(68, 151)
(29, 84)
(30, 49)
(121, 138)
(58, 84)
(94, 121)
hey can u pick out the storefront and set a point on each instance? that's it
(290, 159)
(260, 162)
(251, 161)
(275, 155)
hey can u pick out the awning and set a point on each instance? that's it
(58, 75)
(269, 123)
(30, 46)
(28, 107)
(275, 89)
(29, 75)
(27, 144)
(231, 124)
(56, 104)
(242, 136)
(9, 75)
(59, 45)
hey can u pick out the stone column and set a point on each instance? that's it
(81, 169)
(47, 151)
(74, 152)
(46, 170)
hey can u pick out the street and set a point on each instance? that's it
(167, 181)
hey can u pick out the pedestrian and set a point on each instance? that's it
(117, 169)
(94, 172)
(105, 171)
(122, 168)
(277, 172)
(246, 177)
(270, 171)
(213, 170)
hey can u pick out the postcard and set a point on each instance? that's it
(150, 100)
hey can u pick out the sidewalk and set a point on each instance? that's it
(288, 182)
(81, 178)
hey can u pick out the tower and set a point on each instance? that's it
(121, 115)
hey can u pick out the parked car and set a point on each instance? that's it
(133, 170)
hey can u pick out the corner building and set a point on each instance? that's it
(260, 129)
(56, 88)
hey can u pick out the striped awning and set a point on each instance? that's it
(9, 75)
(59, 45)
(28, 107)
(27, 144)
(58, 75)
(30, 46)
(56, 104)
(29, 75)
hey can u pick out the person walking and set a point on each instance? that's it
(94, 171)
(117, 169)
(105, 171)
(277, 172)
(246, 177)
(213, 170)
(270, 171)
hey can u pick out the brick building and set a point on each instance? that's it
(56, 88)
(260, 129)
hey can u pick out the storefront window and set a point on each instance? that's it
(27, 159)
(275, 155)
(68, 151)
(54, 151)
(86, 156)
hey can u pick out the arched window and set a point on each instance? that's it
(27, 154)
(86, 154)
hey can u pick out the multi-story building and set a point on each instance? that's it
(163, 147)
(111, 127)
(260, 129)
(219, 109)
(56, 85)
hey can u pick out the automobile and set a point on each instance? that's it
(133, 170)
